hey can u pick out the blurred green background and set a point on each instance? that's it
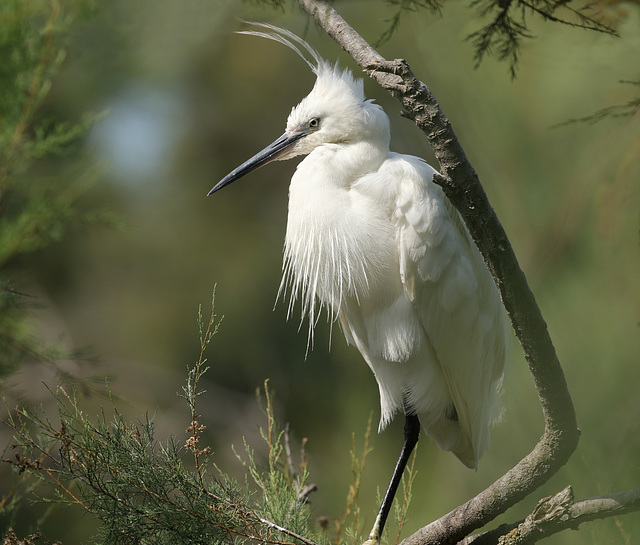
(188, 100)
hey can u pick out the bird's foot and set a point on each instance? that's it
(374, 535)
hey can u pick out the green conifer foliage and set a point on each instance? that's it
(36, 207)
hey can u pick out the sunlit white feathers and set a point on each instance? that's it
(375, 241)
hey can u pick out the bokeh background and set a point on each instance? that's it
(188, 100)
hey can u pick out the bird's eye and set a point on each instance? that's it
(314, 122)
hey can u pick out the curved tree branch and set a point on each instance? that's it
(461, 184)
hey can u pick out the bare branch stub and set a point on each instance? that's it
(557, 513)
(461, 184)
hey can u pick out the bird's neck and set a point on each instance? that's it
(345, 163)
(328, 219)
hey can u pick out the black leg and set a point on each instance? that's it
(411, 433)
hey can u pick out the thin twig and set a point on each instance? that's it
(303, 491)
(598, 27)
(357, 467)
(287, 450)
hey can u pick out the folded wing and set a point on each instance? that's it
(459, 308)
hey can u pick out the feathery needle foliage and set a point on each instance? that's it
(349, 523)
(145, 490)
(628, 109)
(508, 26)
(191, 390)
(403, 6)
(352, 508)
(36, 209)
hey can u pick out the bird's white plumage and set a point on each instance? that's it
(375, 241)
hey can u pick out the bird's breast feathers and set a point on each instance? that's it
(342, 242)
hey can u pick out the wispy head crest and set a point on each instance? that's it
(289, 39)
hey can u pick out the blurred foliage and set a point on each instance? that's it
(403, 6)
(630, 108)
(188, 101)
(35, 210)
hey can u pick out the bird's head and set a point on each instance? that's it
(334, 112)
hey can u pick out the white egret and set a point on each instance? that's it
(375, 241)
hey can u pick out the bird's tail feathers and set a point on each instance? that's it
(449, 436)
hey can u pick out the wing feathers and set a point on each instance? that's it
(459, 308)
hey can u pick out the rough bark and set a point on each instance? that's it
(556, 513)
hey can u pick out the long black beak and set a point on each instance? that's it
(272, 152)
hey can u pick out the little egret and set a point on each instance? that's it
(375, 241)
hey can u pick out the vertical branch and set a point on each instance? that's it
(462, 186)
